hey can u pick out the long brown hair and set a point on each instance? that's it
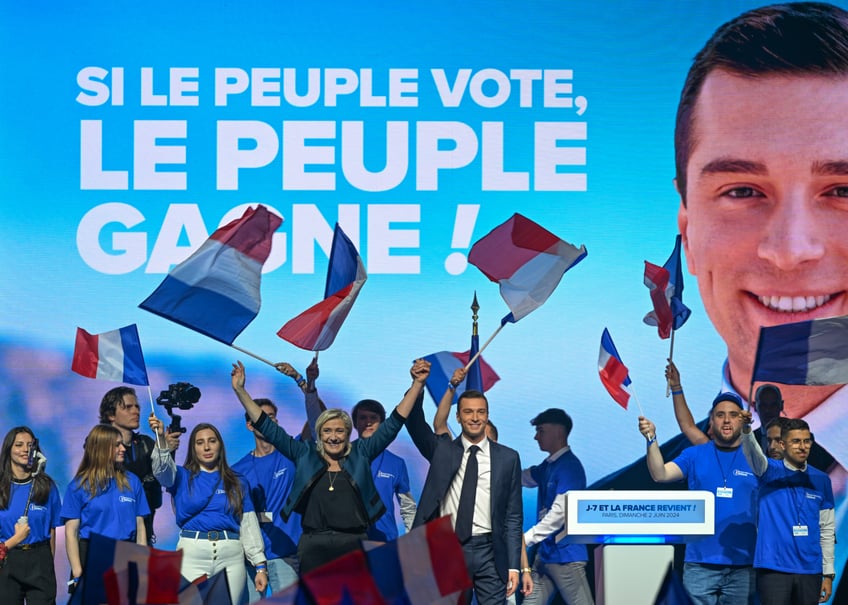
(97, 467)
(41, 483)
(230, 479)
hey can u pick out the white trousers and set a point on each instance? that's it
(211, 556)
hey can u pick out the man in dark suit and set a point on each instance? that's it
(491, 537)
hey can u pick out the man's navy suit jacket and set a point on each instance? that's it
(445, 456)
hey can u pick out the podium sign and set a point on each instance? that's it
(639, 516)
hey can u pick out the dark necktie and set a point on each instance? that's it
(465, 512)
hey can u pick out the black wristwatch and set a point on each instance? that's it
(829, 575)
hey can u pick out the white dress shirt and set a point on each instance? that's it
(482, 501)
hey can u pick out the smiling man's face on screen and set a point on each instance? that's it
(766, 214)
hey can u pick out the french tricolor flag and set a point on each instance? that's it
(527, 260)
(207, 589)
(812, 352)
(114, 355)
(215, 291)
(614, 374)
(656, 279)
(333, 583)
(124, 573)
(666, 286)
(424, 567)
(442, 366)
(316, 328)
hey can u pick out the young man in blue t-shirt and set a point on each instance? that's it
(717, 568)
(389, 471)
(558, 566)
(795, 544)
(269, 476)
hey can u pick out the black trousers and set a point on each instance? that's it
(29, 575)
(317, 548)
(778, 588)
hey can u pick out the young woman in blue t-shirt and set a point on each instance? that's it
(29, 515)
(218, 527)
(102, 498)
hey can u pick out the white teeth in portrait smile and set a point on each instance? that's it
(793, 304)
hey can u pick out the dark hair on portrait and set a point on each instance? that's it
(493, 429)
(800, 38)
(229, 478)
(261, 401)
(41, 484)
(111, 400)
(369, 405)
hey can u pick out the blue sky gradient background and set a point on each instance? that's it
(628, 59)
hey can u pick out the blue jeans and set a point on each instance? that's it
(719, 584)
(281, 575)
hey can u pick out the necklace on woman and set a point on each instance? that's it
(333, 476)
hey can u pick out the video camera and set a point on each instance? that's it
(180, 395)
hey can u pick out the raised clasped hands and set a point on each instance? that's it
(420, 370)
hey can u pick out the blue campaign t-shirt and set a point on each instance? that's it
(390, 479)
(554, 478)
(203, 505)
(269, 480)
(111, 512)
(709, 468)
(791, 499)
(41, 517)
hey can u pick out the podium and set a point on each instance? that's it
(636, 530)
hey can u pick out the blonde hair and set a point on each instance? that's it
(98, 467)
(333, 414)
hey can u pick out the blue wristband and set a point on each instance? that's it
(680, 392)
(301, 382)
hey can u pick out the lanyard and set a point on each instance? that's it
(720, 467)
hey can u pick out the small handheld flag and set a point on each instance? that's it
(316, 328)
(422, 567)
(114, 355)
(813, 352)
(614, 374)
(666, 286)
(215, 291)
(442, 366)
(527, 260)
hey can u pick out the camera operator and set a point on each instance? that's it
(119, 408)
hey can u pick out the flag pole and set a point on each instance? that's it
(483, 348)
(153, 411)
(254, 355)
(641, 411)
(150, 396)
(670, 357)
